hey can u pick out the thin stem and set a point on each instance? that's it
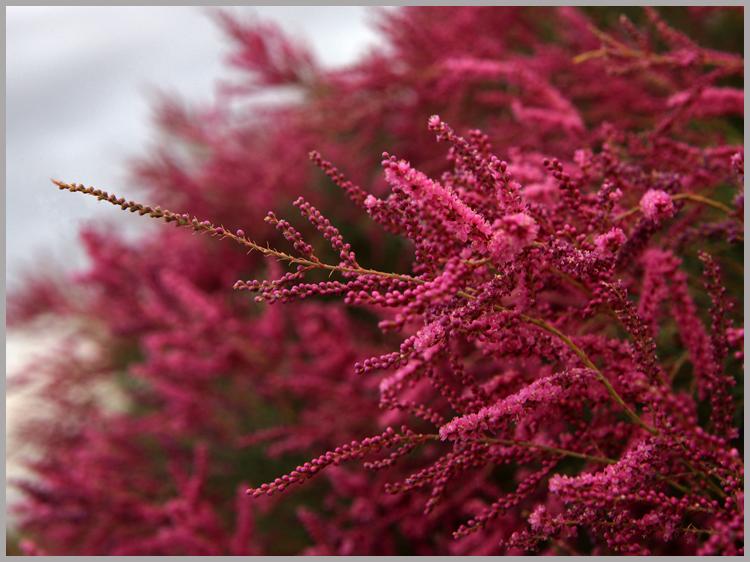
(206, 226)
(699, 531)
(613, 47)
(549, 449)
(572, 280)
(705, 477)
(694, 197)
(532, 445)
(681, 360)
(564, 452)
(567, 550)
(587, 361)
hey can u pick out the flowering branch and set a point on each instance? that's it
(240, 238)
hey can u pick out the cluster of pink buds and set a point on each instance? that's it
(546, 308)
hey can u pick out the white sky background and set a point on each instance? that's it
(80, 84)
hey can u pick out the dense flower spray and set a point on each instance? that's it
(544, 378)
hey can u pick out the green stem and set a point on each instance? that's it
(532, 445)
(590, 364)
(694, 197)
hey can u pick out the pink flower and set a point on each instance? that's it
(608, 243)
(657, 205)
(711, 101)
(546, 390)
(512, 234)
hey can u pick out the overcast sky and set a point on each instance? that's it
(79, 89)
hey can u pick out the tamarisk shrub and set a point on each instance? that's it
(545, 379)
